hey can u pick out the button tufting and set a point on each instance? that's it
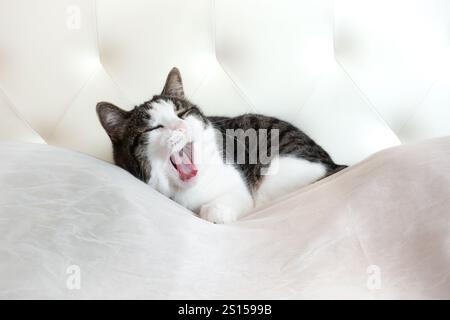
(357, 75)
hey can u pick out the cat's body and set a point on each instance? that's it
(218, 167)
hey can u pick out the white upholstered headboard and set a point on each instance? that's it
(357, 75)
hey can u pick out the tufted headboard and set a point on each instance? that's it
(356, 75)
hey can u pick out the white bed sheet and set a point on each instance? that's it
(379, 229)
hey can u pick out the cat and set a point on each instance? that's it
(169, 143)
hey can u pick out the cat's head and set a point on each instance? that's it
(157, 135)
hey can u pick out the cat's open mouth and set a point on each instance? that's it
(183, 162)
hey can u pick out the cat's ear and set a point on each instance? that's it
(113, 120)
(174, 84)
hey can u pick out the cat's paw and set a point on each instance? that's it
(217, 213)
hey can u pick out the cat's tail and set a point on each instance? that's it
(340, 167)
(336, 168)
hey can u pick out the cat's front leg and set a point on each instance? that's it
(226, 209)
(218, 213)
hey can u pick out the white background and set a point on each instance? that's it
(357, 75)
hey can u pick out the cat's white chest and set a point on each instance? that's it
(214, 184)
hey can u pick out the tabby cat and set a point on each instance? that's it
(218, 167)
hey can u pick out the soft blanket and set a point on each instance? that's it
(72, 226)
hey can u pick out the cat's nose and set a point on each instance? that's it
(180, 126)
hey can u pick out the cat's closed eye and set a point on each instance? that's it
(137, 138)
(154, 128)
(183, 114)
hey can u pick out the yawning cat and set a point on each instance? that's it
(218, 167)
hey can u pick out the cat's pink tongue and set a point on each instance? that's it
(186, 169)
